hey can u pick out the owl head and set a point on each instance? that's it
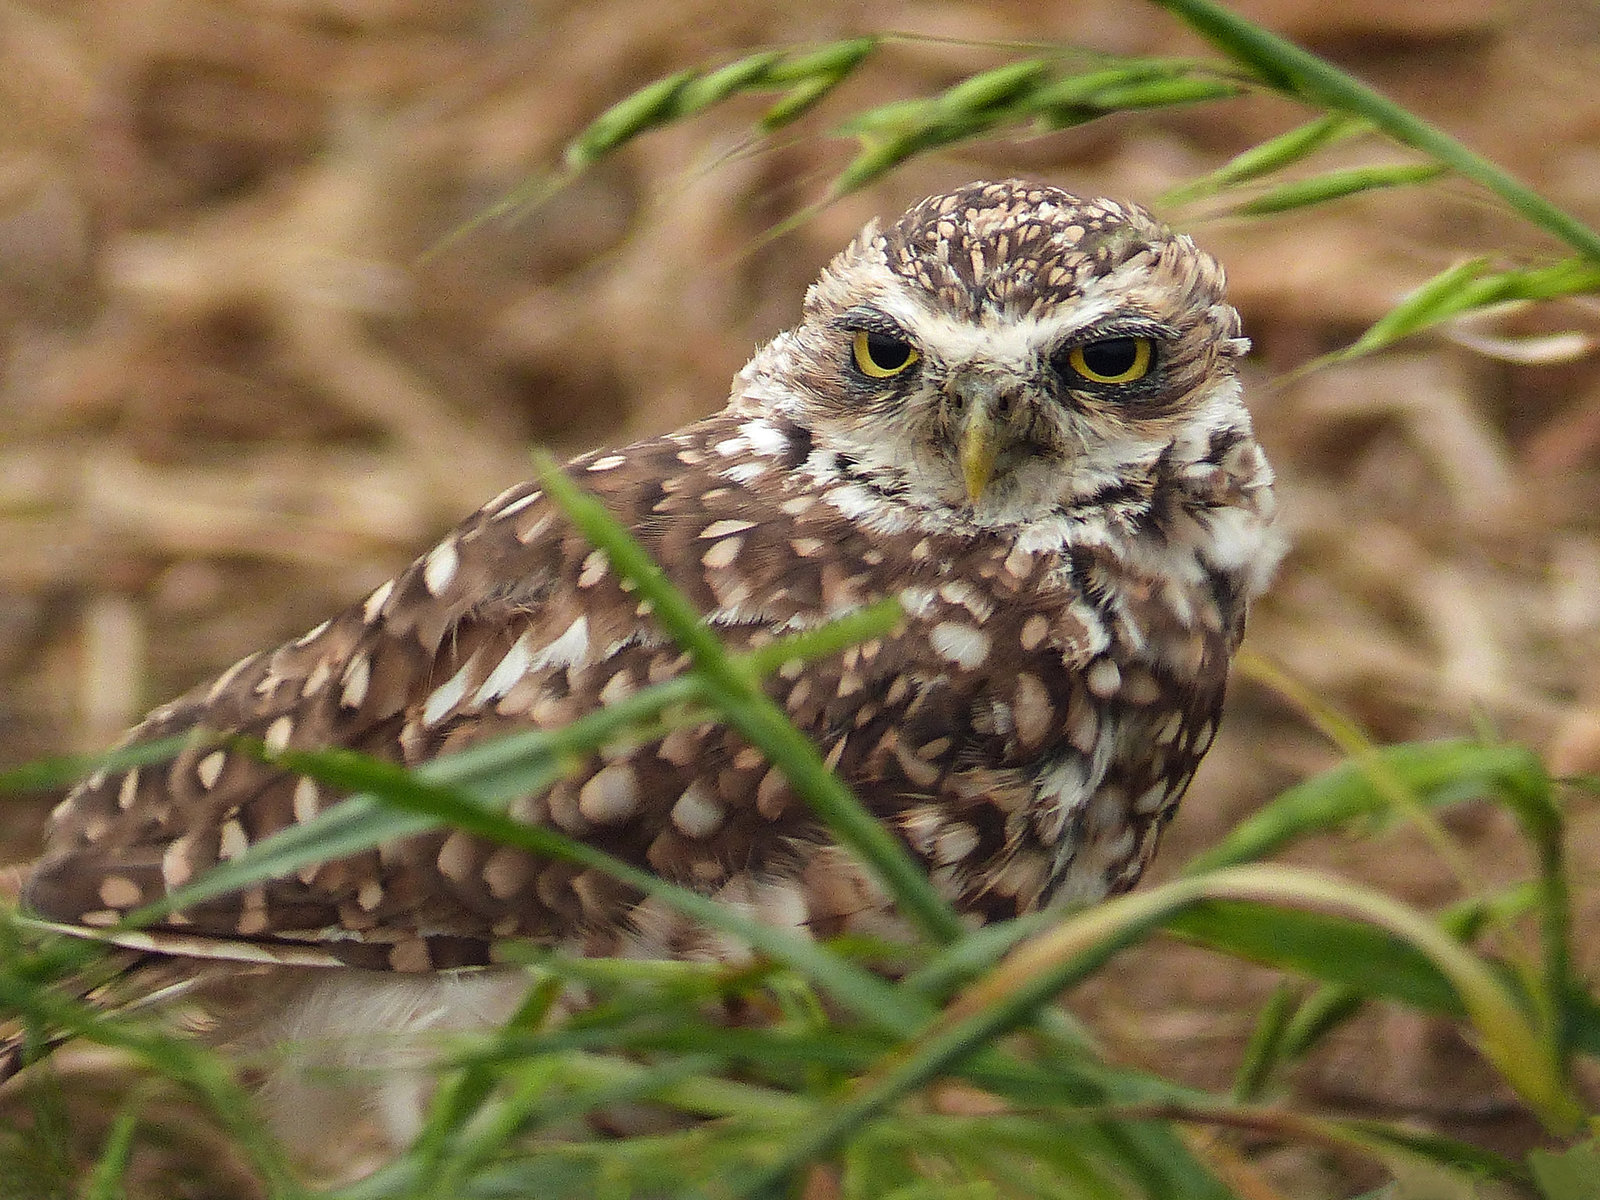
(1009, 352)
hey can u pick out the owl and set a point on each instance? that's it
(1015, 409)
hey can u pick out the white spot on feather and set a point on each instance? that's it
(318, 678)
(278, 733)
(457, 858)
(610, 795)
(440, 567)
(375, 602)
(1152, 799)
(225, 680)
(594, 569)
(1034, 630)
(306, 800)
(512, 667)
(177, 867)
(357, 676)
(311, 635)
(517, 506)
(721, 529)
(696, 814)
(565, 651)
(724, 553)
(1032, 713)
(963, 645)
(1104, 678)
(763, 437)
(209, 768)
(118, 891)
(448, 695)
(954, 842)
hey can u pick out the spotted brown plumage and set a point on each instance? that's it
(1015, 409)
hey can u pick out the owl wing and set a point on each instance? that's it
(1006, 730)
(512, 622)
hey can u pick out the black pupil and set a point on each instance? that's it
(887, 353)
(1113, 356)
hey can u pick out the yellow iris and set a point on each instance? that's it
(882, 357)
(1113, 360)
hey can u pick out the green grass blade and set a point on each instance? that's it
(832, 61)
(813, 76)
(194, 1067)
(1264, 1052)
(1436, 772)
(1336, 185)
(1285, 66)
(52, 773)
(1322, 946)
(1142, 93)
(1043, 967)
(105, 1181)
(1270, 156)
(712, 88)
(1567, 1175)
(737, 694)
(1467, 287)
(991, 90)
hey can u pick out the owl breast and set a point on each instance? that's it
(1027, 729)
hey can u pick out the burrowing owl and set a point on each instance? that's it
(1015, 409)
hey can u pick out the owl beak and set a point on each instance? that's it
(983, 408)
(977, 451)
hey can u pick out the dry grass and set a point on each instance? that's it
(236, 395)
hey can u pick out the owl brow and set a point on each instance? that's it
(863, 319)
(1120, 325)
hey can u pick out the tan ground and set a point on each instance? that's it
(234, 398)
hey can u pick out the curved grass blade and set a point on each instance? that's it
(1436, 773)
(738, 696)
(53, 773)
(1468, 287)
(1433, 773)
(1270, 156)
(1407, 977)
(1265, 1049)
(1284, 66)
(1336, 185)
(179, 1059)
(1040, 969)
(105, 1181)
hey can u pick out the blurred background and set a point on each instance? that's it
(236, 392)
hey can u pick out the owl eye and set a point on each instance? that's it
(1112, 360)
(882, 356)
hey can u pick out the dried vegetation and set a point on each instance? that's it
(237, 392)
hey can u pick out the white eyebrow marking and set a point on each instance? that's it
(1016, 341)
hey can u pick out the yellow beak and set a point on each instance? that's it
(977, 451)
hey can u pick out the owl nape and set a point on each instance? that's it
(1015, 409)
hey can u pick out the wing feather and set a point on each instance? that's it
(513, 622)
